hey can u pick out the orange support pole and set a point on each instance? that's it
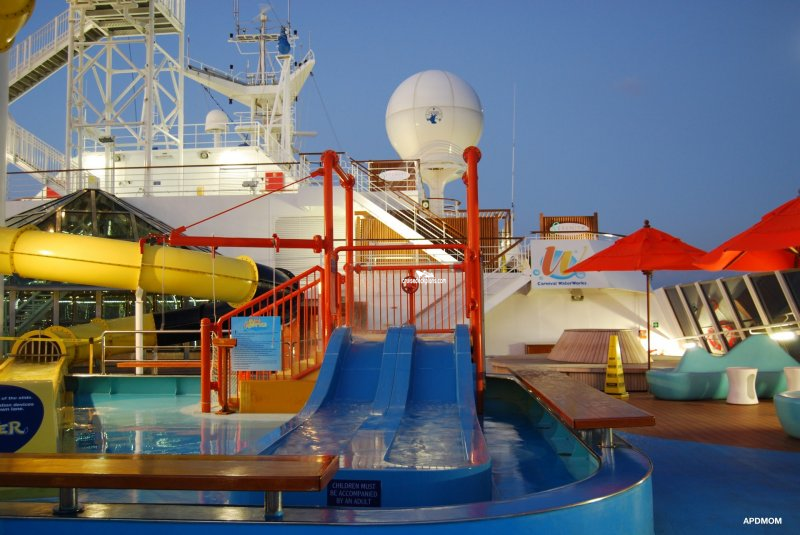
(347, 184)
(224, 346)
(474, 275)
(205, 365)
(328, 301)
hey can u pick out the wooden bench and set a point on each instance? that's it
(582, 407)
(68, 472)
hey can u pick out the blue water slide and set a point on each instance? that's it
(400, 413)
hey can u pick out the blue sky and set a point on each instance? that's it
(683, 113)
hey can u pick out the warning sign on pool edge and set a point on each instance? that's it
(21, 415)
(354, 493)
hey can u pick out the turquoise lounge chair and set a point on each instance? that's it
(699, 375)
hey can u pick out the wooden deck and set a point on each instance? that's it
(715, 422)
(708, 421)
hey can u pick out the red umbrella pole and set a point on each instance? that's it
(647, 275)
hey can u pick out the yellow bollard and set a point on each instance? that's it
(615, 376)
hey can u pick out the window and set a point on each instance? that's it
(703, 317)
(772, 298)
(743, 304)
(680, 313)
(722, 311)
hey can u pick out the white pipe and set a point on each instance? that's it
(139, 327)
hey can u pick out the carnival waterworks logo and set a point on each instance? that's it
(554, 264)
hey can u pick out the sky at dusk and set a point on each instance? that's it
(683, 113)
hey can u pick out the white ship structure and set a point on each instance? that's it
(128, 135)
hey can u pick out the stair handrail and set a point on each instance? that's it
(32, 154)
(398, 204)
(367, 181)
(52, 36)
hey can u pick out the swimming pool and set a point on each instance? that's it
(542, 475)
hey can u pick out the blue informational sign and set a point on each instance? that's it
(258, 343)
(21, 415)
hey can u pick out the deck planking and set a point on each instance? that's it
(715, 422)
(581, 406)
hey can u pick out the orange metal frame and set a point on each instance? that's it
(329, 295)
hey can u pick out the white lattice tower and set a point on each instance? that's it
(125, 80)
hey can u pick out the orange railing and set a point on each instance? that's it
(431, 297)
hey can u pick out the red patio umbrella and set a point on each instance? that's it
(647, 250)
(771, 244)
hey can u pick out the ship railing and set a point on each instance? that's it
(163, 180)
(243, 132)
(120, 144)
(498, 255)
(243, 77)
(573, 235)
(114, 343)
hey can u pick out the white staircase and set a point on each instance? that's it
(43, 162)
(497, 287)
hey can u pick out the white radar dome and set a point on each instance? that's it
(216, 121)
(433, 116)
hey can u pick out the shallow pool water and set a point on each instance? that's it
(524, 460)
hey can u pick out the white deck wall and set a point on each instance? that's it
(539, 317)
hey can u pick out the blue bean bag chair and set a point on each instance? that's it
(787, 406)
(700, 375)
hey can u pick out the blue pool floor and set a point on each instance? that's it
(707, 488)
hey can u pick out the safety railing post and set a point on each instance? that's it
(327, 302)
(205, 365)
(224, 346)
(474, 274)
(348, 273)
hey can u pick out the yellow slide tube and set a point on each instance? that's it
(34, 254)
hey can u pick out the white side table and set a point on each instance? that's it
(742, 385)
(792, 378)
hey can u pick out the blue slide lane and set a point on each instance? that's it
(401, 415)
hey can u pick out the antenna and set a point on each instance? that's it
(513, 151)
(236, 15)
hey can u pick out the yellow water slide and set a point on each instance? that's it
(31, 380)
(35, 254)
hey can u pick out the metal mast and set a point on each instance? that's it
(125, 82)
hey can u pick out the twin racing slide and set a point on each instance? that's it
(400, 413)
